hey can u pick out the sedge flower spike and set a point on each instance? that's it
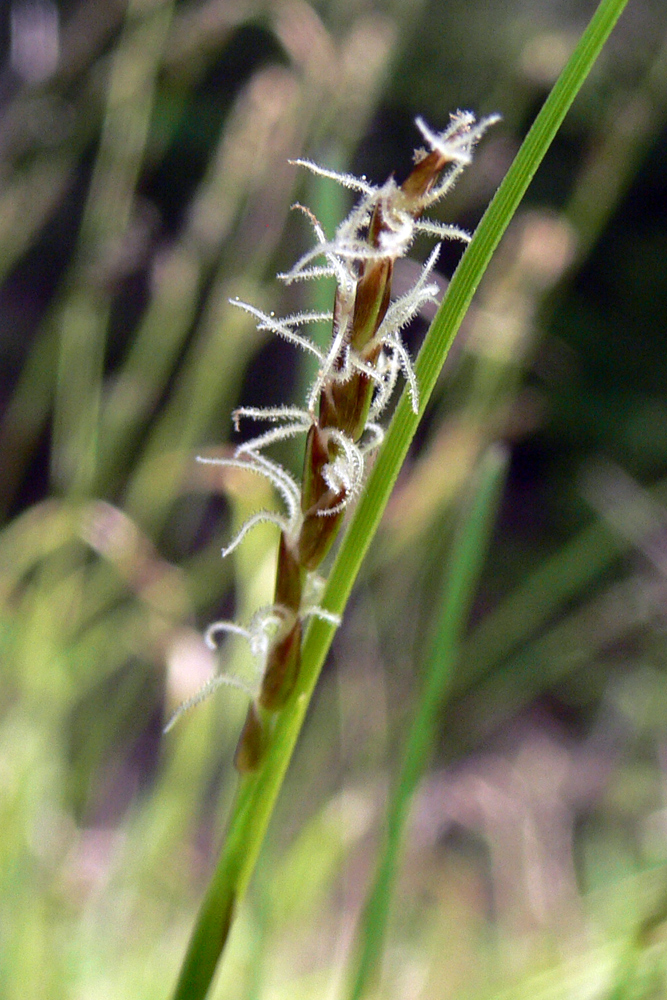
(353, 385)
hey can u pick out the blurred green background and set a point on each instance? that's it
(144, 182)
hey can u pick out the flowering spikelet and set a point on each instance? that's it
(353, 385)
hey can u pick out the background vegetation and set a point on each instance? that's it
(143, 152)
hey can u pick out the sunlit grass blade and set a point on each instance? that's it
(465, 564)
(258, 791)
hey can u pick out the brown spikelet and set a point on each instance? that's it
(282, 669)
(355, 380)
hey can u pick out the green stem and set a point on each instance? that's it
(464, 567)
(257, 792)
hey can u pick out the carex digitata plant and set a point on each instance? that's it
(353, 385)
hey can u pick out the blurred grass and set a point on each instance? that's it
(144, 183)
(465, 563)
